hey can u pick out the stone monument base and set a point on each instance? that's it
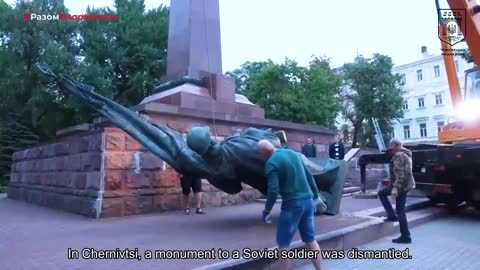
(190, 96)
(94, 174)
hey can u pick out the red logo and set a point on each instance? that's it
(26, 16)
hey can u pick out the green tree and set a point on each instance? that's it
(468, 56)
(124, 59)
(27, 42)
(15, 135)
(345, 131)
(245, 73)
(29, 109)
(131, 50)
(372, 91)
(367, 137)
(299, 94)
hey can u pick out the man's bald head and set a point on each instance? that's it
(266, 148)
(395, 145)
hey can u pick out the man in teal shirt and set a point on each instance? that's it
(289, 177)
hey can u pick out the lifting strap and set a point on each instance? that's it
(208, 69)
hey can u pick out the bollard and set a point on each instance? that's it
(363, 178)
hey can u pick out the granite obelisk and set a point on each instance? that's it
(195, 51)
(194, 42)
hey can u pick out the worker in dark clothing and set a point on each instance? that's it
(191, 183)
(337, 150)
(401, 182)
(309, 149)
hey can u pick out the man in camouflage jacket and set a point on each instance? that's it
(401, 182)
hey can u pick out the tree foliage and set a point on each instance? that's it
(124, 59)
(468, 56)
(15, 135)
(243, 75)
(372, 91)
(28, 42)
(290, 92)
(132, 49)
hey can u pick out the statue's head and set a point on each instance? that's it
(199, 140)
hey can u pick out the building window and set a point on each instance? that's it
(438, 99)
(403, 79)
(456, 66)
(405, 105)
(423, 130)
(436, 69)
(440, 126)
(421, 102)
(406, 132)
(419, 75)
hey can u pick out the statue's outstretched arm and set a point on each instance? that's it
(162, 141)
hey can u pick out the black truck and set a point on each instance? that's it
(445, 173)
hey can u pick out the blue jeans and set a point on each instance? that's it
(295, 214)
(399, 207)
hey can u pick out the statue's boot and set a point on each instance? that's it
(330, 180)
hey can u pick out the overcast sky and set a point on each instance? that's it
(256, 30)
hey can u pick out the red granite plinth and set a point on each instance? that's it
(93, 174)
(65, 174)
(154, 187)
(217, 96)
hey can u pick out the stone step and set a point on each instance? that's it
(350, 189)
(347, 184)
(345, 238)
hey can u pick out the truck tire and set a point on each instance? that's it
(451, 203)
(433, 199)
(474, 204)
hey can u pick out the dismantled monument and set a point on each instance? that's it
(225, 165)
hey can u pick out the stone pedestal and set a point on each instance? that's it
(218, 98)
(136, 181)
(95, 174)
(65, 174)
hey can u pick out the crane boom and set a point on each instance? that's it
(451, 70)
(467, 16)
(471, 31)
(470, 28)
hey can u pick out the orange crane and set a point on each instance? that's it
(466, 103)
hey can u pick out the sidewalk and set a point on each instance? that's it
(449, 243)
(38, 238)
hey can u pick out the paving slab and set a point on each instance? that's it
(33, 237)
(452, 242)
(350, 204)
